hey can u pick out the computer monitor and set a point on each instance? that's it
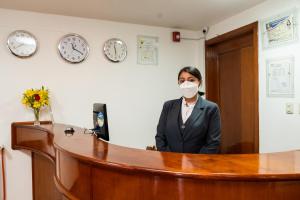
(100, 121)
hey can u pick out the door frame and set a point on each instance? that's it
(210, 55)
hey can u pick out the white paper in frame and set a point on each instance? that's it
(280, 30)
(147, 50)
(280, 77)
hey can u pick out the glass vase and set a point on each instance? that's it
(36, 117)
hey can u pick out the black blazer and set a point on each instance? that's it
(200, 134)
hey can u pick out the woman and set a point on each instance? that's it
(190, 124)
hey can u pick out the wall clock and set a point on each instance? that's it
(22, 43)
(115, 50)
(73, 48)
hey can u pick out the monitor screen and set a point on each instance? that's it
(100, 121)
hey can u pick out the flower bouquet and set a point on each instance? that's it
(36, 99)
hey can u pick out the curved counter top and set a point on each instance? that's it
(89, 168)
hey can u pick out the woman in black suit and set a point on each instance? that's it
(189, 124)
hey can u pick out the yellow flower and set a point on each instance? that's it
(29, 92)
(24, 101)
(36, 98)
(36, 105)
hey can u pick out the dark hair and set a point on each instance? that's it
(191, 70)
(195, 72)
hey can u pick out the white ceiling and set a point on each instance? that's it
(186, 14)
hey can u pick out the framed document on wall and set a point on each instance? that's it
(280, 30)
(280, 77)
(147, 50)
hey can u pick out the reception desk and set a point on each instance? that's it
(80, 166)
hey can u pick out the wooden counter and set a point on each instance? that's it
(83, 167)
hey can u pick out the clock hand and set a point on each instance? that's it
(72, 46)
(115, 49)
(19, 46)
(78, 51)
(74, 49)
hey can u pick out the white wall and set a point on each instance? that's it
(278, 131)
(134, 93)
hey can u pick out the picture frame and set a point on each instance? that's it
(280, 30)
(147, 50)
(280, 77)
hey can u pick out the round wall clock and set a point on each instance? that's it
(73, 48)
(22, 43)
(115, 50)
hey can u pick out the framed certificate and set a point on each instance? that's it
(147, 50)
(280, 77)
(279, 30)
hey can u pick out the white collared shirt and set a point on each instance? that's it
(187, 109)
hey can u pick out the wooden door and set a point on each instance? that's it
(232, 82)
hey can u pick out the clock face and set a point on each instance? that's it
(22, 43)
(115, 50)
(73, 48)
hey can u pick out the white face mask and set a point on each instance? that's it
(188, 89)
